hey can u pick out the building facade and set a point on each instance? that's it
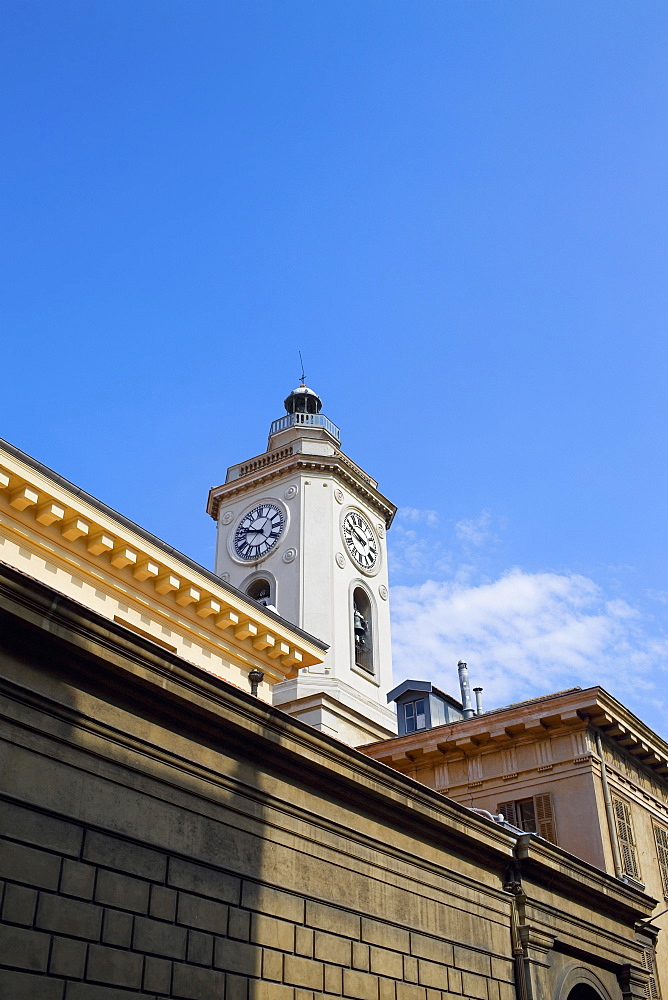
(576, 768)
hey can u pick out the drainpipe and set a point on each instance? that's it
(612, 826)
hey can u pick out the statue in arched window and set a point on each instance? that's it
(362, 630)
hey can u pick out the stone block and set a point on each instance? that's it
(387, 989)
(27, 864)
(157, 975)
(432, 974)
(303, 972)
(506, 991)
(304, 941)
(86, 991)
(19, 905)
(206, 881)
(474, 986)
(410, 969)
(34, 827)
(330, 918)
(22, 986)
(332, 948)
(69, 916)
(272, 901)
(203, 914)
(122, 891)
(503, 969)
(455, 981)
(273, 933)
(360, 985)
(236, 988)
(157, 938)
(162, 905)
(333, 980)
(77, 879)
(24, 949)
(124, 856)
(360, 956)
(115, 967)
(493, 989)
(191, 983)
(432, 948)
(385, 935)
(472, 961)
(272, 991)
(387, 963)
(272, 965)
(200, 948)
(235, 956)
(68, 958)
(408, 991)
(117, 928)
(238, 924)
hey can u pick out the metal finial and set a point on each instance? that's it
(302, 377)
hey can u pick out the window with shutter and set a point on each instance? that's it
(534, 815)
(509, 812)
(545, 817)
(627, 846)
(661, 837)
(652, 988)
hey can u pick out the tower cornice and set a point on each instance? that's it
(274, 465)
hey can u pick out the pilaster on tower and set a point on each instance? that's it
(302, 528)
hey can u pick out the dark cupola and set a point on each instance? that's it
(303, 400)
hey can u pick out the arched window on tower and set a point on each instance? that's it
(260, 591)
(363, 630)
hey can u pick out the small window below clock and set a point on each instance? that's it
(260, 591)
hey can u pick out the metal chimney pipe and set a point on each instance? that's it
(478, 700)
(467, 707)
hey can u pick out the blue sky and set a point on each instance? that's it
(456, 210)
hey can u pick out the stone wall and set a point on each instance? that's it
(165, 835)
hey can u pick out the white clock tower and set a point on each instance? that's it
(302, 528)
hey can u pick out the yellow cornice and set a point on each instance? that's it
(54, 519)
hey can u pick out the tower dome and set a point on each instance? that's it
(303, 400)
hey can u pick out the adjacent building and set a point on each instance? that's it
(576, 768)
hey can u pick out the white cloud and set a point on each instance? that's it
(418, 516)
(527, 634)
(476, 530)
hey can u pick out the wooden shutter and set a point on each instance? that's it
(545, 817)
(627, 845)
(661, 837)
(510, 813)
(651, 989)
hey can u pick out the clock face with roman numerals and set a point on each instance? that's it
(258, 531)
(360, 540)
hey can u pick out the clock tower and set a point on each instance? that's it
(301, 528)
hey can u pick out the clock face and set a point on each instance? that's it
(258, 531)
(360, 540)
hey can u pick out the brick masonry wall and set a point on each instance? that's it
(89, 916)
